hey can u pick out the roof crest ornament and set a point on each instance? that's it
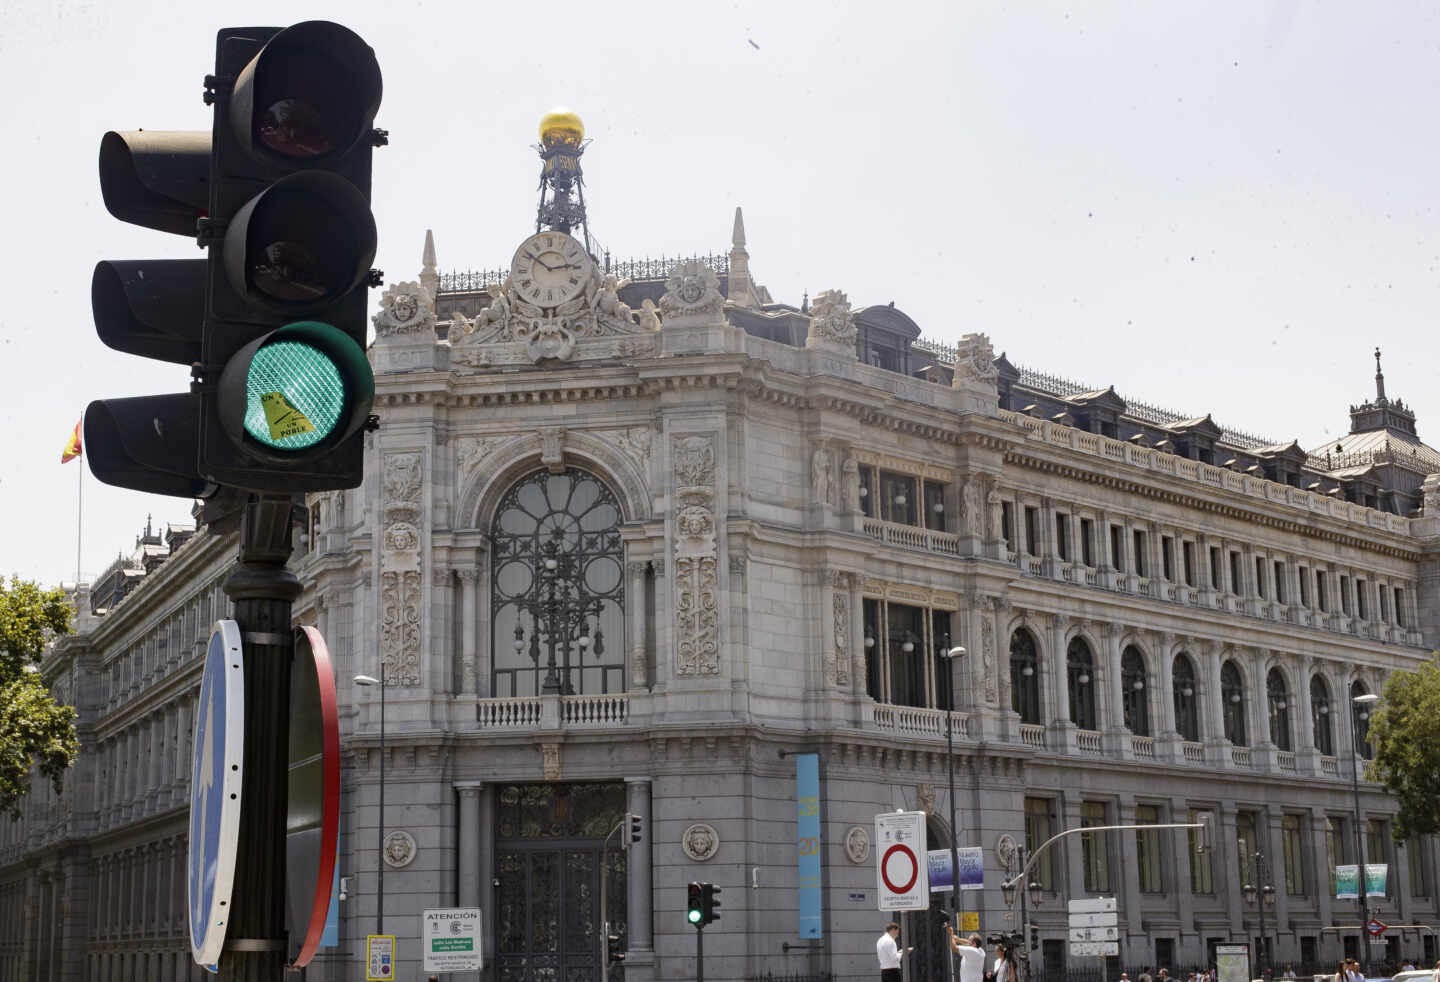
(1379, 381)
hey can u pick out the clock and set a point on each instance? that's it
(550, 268)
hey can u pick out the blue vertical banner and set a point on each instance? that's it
(807, 843)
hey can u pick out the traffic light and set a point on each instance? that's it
(709, 902)
(1205, 834)
(273, 323)
(286, 387)
(695, 902)
(613, 951)
(636, 828)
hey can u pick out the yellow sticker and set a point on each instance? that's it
(970, 920)
(284, 419)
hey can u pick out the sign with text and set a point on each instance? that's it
(379, 958)
(807, 844)
(1232, 963)
(902, 876)
(1094, 927)
(450, 939)
(1347, 881)
(972, 868)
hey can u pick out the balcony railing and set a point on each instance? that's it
(1330, 765)
(1032, 735)
(912, 719)
(913, 537)
(516, 712)
(1143, 747)
(1194, 752)
(1088, 741)
(1286, 760)
(529, 712)
(1242, 757)
(603, 710)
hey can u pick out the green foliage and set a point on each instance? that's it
(34, 730)
(1405, 732)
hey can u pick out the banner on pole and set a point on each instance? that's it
(1347, 881)
(807, 843)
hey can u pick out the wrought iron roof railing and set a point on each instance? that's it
(475, 280)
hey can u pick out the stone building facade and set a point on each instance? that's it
(630, 558)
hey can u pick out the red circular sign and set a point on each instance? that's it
(909, 854)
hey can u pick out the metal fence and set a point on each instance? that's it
(792, 977)
(475, 280)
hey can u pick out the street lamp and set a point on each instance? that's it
(380, 851)
(1361, 700)
(950, 655)
(1267, 899)
(560, 609)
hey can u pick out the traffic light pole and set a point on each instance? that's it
(256, 948)
(700, 953)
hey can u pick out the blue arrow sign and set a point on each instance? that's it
(215, 793)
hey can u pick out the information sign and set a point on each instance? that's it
(1094, 927)
(1094, 949)
(219, 760)
(1232, 963)
(972, 869)
(379, 958)
(451, 939)
(901, 872)
(313, 807)
(1376, 927)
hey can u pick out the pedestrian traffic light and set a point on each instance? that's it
(273, 323)
(613, 951)
(636, 828)
(710, 902)
(695, 903)
(286, 386)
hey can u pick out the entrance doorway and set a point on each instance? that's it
(548, 849)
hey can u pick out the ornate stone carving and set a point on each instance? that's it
(987, 655)
(470, 450)
(400, 568)
(925, 798)
(633, 441)
(691, 290)
(972, 506)
(1430, 489)
(550, 761)
(850, 486)
(737, 564)
(697, 647)
(701, 842)
(840, 651)
(1006, 849)
(400, 849)
(857, 844)
(405, 312)
(552, 448)
(821, 477)
(974, 361)
(832, 325)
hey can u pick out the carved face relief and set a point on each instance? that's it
(691, 289)
(857, 844)
(701, 842)
(404, 307)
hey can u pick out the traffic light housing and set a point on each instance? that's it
(695, 904)
(709, 903)
(1205, 834)
(613, 952)
(637, 829)
(273, 324)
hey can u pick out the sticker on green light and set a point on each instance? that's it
(294, 396)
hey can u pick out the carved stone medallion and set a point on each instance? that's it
(400, 849)
(701, 842)
(857, 844)
(1005, 849)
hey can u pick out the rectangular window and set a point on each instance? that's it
(1322, 591)
(1304, 586)
(1037, 833)
(1260, 577)
(1361, 607)
(1399, 606)
(1202, 879)
(1087, 546)
(1094, 847)
(1216, 581)
(1167, 557)
(1189, 562)
(1007, 522)
(1375, 852)
(1139, 553)
(1031, 533)
(1384, 605)
(1334, 849)
(1293, 855)
(1235, 579)
(1117, 547)
(934, 505)
(1245, 848)
(897, 499)
(1345, 595)
(1149, 863)
(1280, 582)
(1062, 536)
(867, 491)
(1415, 857)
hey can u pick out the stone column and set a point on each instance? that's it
(1117, 737)
(1047, 543)
(469, 577)
(1227, 880)
(1061, 726)
(1209, 699)
(639, 888)
(1128, 861)
(636, 614)
(467, 859)
(486, 870)
(1073, 882)
(1323, 865)
(1270, 831)
(1179, 887)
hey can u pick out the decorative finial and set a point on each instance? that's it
(561, 128)
(805, 303)
(1379, 379)
(427, 258)
(737, 237)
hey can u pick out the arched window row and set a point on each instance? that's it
(1187, 698)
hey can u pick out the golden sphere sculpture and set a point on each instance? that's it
(561, 128)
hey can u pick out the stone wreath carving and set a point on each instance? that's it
(857, 844)
(832, 325)
(692, 289)
(701, 842)
(405, 311)
(400, 849)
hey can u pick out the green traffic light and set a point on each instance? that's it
(294, 395)
(694, 917)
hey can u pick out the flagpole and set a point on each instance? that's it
(79, 519)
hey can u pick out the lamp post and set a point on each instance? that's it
(380, 843)
(950, 654)
(1361, 700)
(560, 609)
(1029, 893)
(1266, 894)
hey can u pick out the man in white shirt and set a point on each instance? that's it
(972, 955)
(889, 953)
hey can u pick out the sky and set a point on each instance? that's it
(1219, 207)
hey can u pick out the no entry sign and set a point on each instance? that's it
(902, 879)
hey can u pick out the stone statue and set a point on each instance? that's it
(820, 472)
(850, 485)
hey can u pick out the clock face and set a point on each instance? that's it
(550, 268)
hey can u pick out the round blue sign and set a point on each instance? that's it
(219, 754)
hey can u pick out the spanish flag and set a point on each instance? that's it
(72, 449)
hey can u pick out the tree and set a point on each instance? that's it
(34, 729)
(1405, 734)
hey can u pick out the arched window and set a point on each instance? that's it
(1277, 700)
(1024, 677)
(1080, 672)
(1132, 681)
(1187, 720)
(1320, 714)
(1360, 720)
(557, 591)
(1232, 691)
